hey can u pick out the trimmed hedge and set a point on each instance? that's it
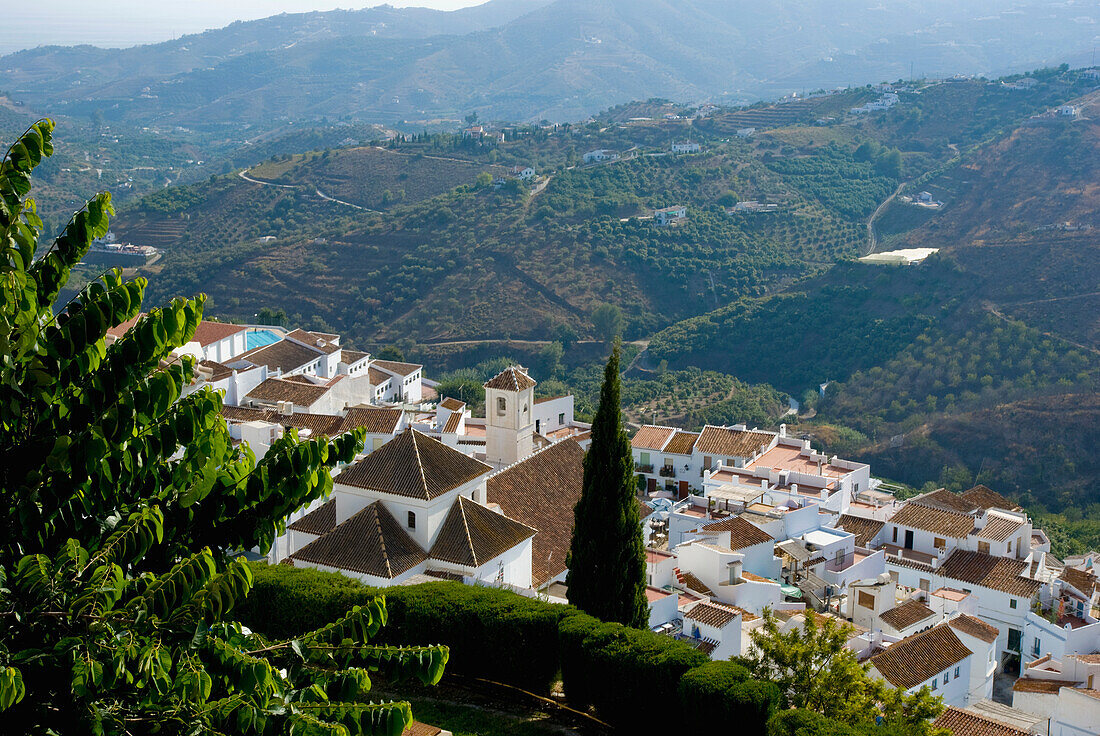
(722, 692)
(627, 674)
(494, 634)
(634, 678)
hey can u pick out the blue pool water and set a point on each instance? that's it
(259, 338)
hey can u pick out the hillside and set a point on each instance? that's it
(514, 60)
(939, 365)
(445, 259)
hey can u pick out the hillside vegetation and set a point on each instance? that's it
(733, 306)
(533, 59)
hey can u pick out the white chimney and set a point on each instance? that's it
(782, 430)
(287, 408)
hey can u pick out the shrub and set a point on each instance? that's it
(494, 634)
(621, 671)
(721, 692)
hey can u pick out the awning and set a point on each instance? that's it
(737, 494)
(794, 550)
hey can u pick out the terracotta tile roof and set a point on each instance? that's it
(998, 528)
(650, 437)
(1087, 658)
(644, 509)
(682, 443)
(944, 500)
(208, 333)
(453, 423)
(919, 657)
(218, 371)
(421, 729)
(352, 356)
(742, 533)
(471, 535)
(694, 584)
(371, 542)
(320, 341)
(541, 492)
(512, 378)
(712, 614)
(965, 723)
(996, 573)
(975, 627)
(285, 355)
(327, 424)
(414, 465)
(119, 330)
(1035, 685)
(1086, 582)
(985, 498)
(377, 377)
(452, 404)
(907, 614)
(544, 399)
(401, 369)
(864, 529)
(934, 520)
(280, 389)
(729, 442)
(321, 520)
(248, 414)
(374, 420)
(303, 379)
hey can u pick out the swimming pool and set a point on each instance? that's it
(259, 338)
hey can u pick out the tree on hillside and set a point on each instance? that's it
(817, 672)
(607, 320)
(125, 501)
(390, 352)
(606, 561)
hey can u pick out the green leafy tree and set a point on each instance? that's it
(606, 562)
(817, 672)
(391, 352)
(548, 360)
(125, 501)
(607, 319)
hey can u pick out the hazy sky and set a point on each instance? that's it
(130, 22)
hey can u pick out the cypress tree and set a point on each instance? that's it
(607, 555)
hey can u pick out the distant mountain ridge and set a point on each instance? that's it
(532, 59)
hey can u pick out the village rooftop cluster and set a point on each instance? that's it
(950, 591)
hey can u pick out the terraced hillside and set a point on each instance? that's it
(941, 364)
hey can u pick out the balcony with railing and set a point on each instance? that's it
(667, 471)
(639, 468)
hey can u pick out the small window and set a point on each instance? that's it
(935, 683)
(525, 408)
(983, 547)
(1010, 547)
(412, 519)
(957, 670)
(939, 543)
(895, 534)
(502, 405)
(561, 417)
(1012, 603)
(946, 677)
